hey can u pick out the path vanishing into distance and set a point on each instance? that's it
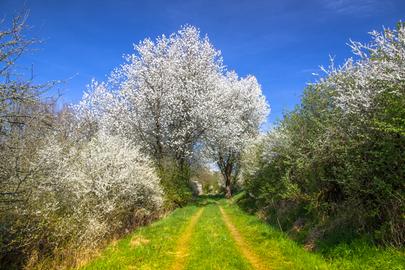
(209, 234)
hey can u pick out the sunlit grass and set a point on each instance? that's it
(271, 245)
(150, 247)
(360, 254)
(212, 246)
(275, 246)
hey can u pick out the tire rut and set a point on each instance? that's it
(253, 259)
(182, 249)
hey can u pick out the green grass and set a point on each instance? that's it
(359, 254)
(157, 253)
(212, 246)
(271, 245)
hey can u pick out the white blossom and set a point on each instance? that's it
(92, 187)
(169, 89)
(358, 82)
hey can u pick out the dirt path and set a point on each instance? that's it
(253, 259)
(182, 249)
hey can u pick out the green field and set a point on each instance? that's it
(198, 237)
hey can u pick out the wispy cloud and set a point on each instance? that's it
(357, 7)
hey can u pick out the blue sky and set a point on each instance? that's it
(280, 42)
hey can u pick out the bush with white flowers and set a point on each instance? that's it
(87, 192)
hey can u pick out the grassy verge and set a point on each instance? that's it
(272, 246)
(361, 254)
(357, 254)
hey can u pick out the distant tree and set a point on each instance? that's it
(241, 111)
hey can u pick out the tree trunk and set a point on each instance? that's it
(228, 187)
(228, 180)
(226, 165)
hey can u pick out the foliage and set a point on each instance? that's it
(337, 159)
(83, 194)
(175, 183)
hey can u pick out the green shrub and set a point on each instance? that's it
(337, 160)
